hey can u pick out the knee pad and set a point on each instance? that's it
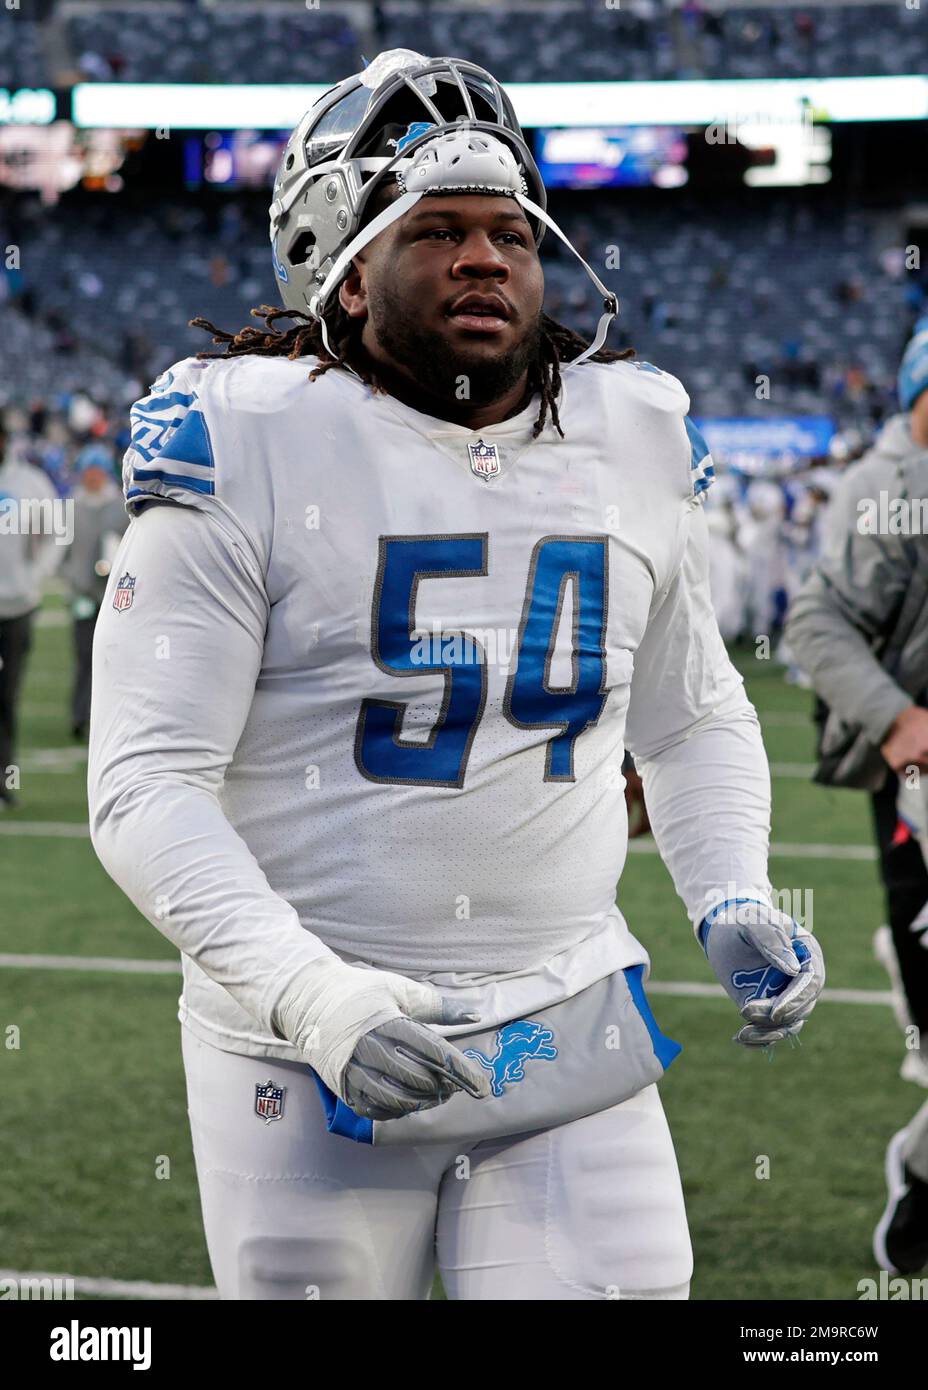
(306, 1268)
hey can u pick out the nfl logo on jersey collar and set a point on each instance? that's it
(484, 459)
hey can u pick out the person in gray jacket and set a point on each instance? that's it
(30, 551)
(100, 519)
(859, 628)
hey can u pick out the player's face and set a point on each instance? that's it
(419, 275)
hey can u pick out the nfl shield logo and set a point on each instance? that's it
(269, 1101)
(483, 459)
(125, 593)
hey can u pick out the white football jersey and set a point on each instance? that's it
(372, 675)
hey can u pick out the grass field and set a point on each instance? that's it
(93, 1097)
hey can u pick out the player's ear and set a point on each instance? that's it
(352, 292)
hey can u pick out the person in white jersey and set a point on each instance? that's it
(405, 579)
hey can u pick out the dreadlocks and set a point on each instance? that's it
(558, 344)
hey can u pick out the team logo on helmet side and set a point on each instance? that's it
(279, 266)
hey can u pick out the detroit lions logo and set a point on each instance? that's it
(416, 128)
(279, 265)
(763, 982)
(515, 1044)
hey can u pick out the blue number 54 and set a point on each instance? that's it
(558, 564)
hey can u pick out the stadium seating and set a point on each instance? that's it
(804, 292)
(22, 62)
(640, 40)
(171, 43)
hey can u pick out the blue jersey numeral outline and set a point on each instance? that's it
(531, 701)
(381, 753)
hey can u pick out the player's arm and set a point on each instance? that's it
(847, 603)
(697, 744)
(173, 680)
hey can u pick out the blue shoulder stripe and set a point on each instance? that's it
(159, 402)
(158, 475)
(170, 447)
(187, 442)
(701, 463)
(699, 446)
(190, 442)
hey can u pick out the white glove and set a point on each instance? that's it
(768, 964)
(362, 1032)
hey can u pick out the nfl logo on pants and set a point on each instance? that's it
(269, 1101)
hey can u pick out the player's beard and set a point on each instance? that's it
(436, 364)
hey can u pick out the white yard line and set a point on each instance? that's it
(779, 849)
(685, 989)
(67, 759)
(54, 759)
(119, 965)
(45, 829)
(789, 851)
(116, 1288)
(111, 964)
(783, 850)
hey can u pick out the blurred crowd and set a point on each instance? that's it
(639, 40)
(768, 520)
(803, 293)
(61, 514)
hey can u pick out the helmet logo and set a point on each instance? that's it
(416, 128)
(279, 265)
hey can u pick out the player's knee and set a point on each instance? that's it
(618, 1227)
(638, 1263)
(666, 1293)
(306, 1268)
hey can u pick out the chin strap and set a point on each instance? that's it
(399, 208)
(383, 219)
(610, 301)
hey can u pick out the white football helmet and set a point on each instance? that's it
(434, 126)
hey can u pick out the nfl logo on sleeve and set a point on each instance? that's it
(484, 460)
(269, 1101)
(125, 593)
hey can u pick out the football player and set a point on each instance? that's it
(405, 579)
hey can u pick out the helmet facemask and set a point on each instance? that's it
(436, 126)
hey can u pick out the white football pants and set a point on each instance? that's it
(590, 1210)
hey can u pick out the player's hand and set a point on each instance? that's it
(771, 967)
(906, 744)
(403, 1066)
(364, 1033)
